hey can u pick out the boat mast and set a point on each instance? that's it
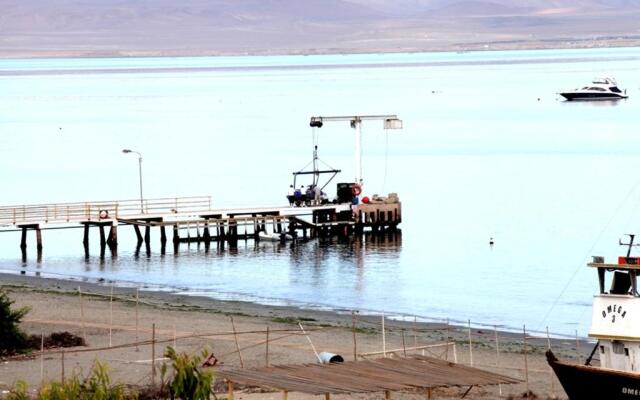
(629, 245)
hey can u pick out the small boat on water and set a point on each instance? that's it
(615, 323)
(600, 89)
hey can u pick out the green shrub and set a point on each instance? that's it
(96, 386)
(12, 339)
(19, 392)
(190, 381)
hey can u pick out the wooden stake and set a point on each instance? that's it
(110, 316)
(448, 340)
(355, 343)
(42, 357)
(384, 339)
(455, 353)
(526, 364)
(62, 366)
(230, 390)
(235, 337)
(404, 347)
(285, 395)
(266, 355)
(327, 396)
(495, 329)
(470, 346)
(137, 338)
(577, 345)
(153, 355)
(387, 394)
(413, 329)
(84, 332)
(429, 394)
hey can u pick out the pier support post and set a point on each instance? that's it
(147, 235)
(23, 240)
(176, 239)
(38, 238)
(103, 240)
(138, 234)
(163, 236)
(112, 240)
(206, 235)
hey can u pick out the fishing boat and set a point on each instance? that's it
(615, 323)
(600, 89)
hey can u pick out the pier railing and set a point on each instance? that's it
(96, 210)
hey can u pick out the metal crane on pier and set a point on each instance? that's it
(390, 122)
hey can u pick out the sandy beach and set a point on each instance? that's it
(57, 306)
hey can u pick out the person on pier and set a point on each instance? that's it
(291, 195)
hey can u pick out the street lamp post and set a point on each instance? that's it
(127, 151)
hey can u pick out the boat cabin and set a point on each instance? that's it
(615, 318)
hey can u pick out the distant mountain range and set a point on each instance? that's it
(198, 27)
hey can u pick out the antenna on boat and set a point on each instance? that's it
(630, 244)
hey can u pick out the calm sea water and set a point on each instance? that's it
(487, 150)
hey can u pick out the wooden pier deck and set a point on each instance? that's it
(193, 219)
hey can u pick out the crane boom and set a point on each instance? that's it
(390, 122)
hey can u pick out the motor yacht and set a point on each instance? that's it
(600, 89)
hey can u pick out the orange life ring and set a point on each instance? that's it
(104, 214)
(356, 190)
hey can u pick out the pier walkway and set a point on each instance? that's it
(193, 219)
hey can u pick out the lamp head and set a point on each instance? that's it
(126, 151)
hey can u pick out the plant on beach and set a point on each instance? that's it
(12, 339)
(96, 386)
(189, 381)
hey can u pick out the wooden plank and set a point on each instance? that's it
(381, 375)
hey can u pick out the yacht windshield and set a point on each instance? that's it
(615, 89)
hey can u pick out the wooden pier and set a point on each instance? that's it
(193, 220)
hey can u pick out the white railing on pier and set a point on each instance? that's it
(95, 210)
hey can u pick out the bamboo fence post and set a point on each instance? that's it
(447, 340)
(495, 330)
(470, 346)
(266, 353)
(110, 316)
(84, 331)
(327, 396)
(551, 380)
(310, 342)
(41, 357)
(235, 337)
(404, 347)
(429, 394)
(526, 364)
(62, 366)
(455, 353)
(137, 301)
(384, 339)
(413, 328)
(153, 355)
(355, 343)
